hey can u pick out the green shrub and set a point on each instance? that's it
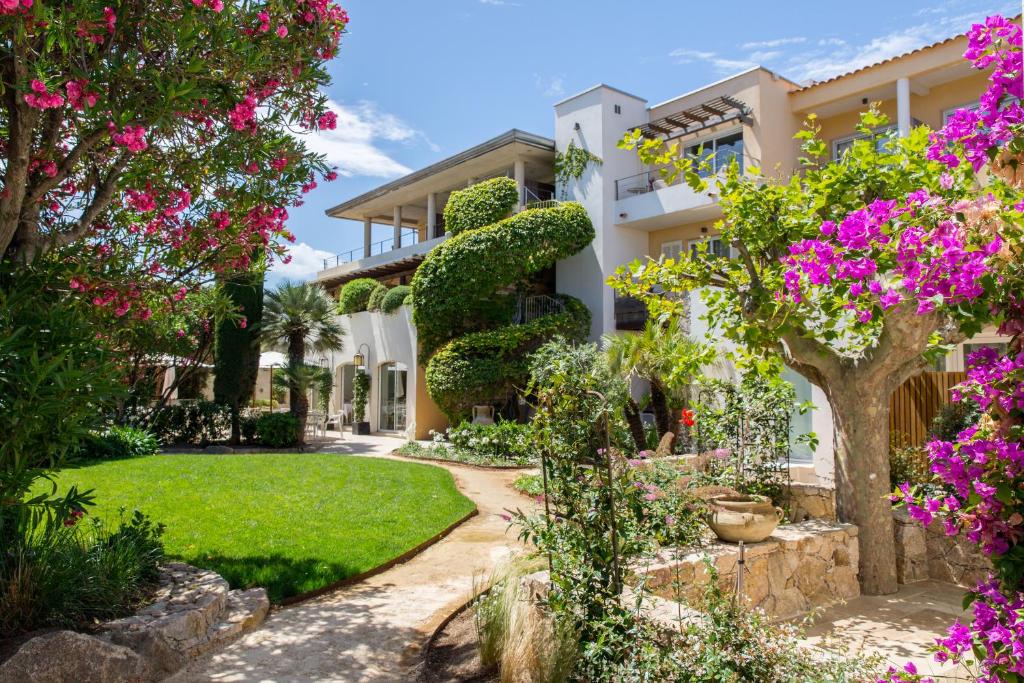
(482, 367)
(454, 288)
(953, 418)
(395, 298)
(192, 422)
(376, 297)
(529, 484)
(908, 463)
(503, 440)
(355, 295)
(360, 394)
(247, 423)
(480, 205)
(278, 430)
(71, 574)
(119, 442)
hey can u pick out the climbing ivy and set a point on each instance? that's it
(480, 205)
(360, 394)
(464, 293)
(571, 164)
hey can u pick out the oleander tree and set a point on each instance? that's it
(859, 272)
(162, 141)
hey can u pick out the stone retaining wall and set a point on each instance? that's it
(923, 554)
(805, 501)
(798, 568)
(193, 612)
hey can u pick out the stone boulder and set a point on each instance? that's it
(70, 657)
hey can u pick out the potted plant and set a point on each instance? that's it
(360, 396)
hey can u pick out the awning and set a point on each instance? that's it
(695, 119)
(389, 269)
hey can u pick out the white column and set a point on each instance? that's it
(367, 236)
(903, 106)
(398, 228)
(519, 173)
(431, 216)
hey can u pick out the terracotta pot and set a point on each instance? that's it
(750, 519)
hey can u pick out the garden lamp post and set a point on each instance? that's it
(359, 360)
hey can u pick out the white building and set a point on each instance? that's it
(751, 116)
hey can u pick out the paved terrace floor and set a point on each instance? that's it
(373, 631)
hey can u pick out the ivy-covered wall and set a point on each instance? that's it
(464, 293)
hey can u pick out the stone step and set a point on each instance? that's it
(245, 611)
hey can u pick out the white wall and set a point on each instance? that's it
(600, 129)
(387, 338)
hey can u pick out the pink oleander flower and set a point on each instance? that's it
(41, 98)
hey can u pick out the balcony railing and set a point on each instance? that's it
(409, 237)
(649, 181)
(532, 307)
(538, 199)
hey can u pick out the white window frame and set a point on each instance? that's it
(702, 141)
(730, 252)
(971, 106)
(672, 244)
(859, 136)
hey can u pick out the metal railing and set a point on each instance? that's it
(532, 307)
(649, 181)
(538, 199)
(409, 237)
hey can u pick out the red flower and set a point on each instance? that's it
(687, 417)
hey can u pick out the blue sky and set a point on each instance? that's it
(418, 81)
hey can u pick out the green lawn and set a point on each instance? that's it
(289, 522)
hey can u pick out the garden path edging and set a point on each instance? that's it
(404, 557)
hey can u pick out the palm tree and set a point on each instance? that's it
(298, 318)
(301, 378)
(663, 355)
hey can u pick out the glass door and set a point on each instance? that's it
(392, 397)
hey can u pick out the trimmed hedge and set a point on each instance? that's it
(395, 298)
(278, 430)
(480, 205)
(355, 295)
(376, 297)
(480, 366)
(453, 289)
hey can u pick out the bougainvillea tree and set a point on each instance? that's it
(860, 271)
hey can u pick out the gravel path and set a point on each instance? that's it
(373, 631)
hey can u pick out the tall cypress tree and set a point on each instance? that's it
(237, 353)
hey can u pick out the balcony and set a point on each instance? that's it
(381, 262)
(409, 237)
(646, 201)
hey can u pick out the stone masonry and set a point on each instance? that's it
(193, 611)
(923, 554)
(798, 568)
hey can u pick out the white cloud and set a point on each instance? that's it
(805, 60)
(550, 86)
(777, 42)
(306, 262)
(725, 64)
(354, 145)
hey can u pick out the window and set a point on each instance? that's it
(971, 106)
(841, 145)
(618, 108)
(393, 378)
(671, 250)
(719, 152)
(715, 247)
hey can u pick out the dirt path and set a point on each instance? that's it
(373, 631)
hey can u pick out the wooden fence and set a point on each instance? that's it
(917, 401)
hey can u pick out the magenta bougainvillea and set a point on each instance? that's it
(981, 472)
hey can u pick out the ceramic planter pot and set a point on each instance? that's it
(362, 428)
(750, 519)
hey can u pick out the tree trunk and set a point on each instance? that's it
(300, 409)
(636, 424)
(659, 402)
(861, 412)
(236, 425)
(296, 357)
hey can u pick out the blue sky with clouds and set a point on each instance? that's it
(418, 81)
